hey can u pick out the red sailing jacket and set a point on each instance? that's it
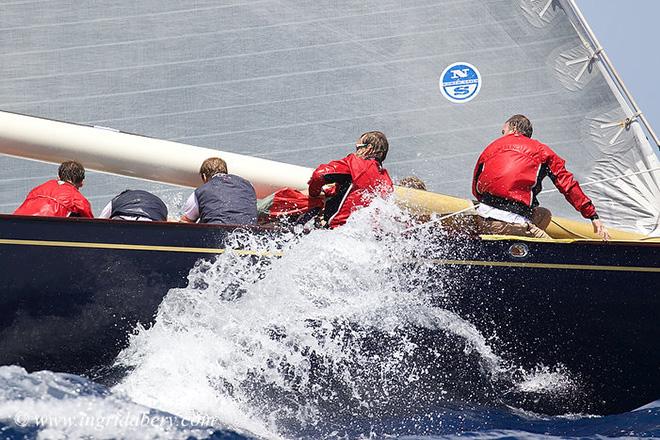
(509, 172)
(356, 179)
(289, 203)
(55, 199)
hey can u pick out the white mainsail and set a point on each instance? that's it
(298, 82)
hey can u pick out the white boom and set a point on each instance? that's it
(114, 152)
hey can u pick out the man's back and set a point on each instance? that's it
(55, 199)
(137, 204)
(512, 168)
(227, 199)
(509, 168)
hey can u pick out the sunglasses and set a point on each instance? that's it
(358, 146)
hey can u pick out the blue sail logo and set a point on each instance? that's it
(460, 82)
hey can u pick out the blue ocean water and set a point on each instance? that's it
(56, 405)
(314, 345)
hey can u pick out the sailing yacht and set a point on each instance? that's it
(277, 87)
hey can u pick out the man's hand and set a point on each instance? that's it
(599, 228)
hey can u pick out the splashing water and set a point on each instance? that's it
(46, 405)
(54, 405)
(342, 327)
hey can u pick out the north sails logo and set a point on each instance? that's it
(460, 82)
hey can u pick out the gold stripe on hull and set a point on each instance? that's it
(546, 265)
(135, 247)
(197, 250)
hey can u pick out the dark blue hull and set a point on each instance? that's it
(72, 291)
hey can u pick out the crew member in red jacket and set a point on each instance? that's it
(288, 205)
(508, 177)
(356, 178)
(59, 198)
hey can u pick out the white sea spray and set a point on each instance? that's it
(61, 406)
(337, 326)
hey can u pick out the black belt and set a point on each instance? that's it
(507, 205)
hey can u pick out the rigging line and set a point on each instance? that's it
(622, 176)
(570, 231)
(444, 217)
(439, 219)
